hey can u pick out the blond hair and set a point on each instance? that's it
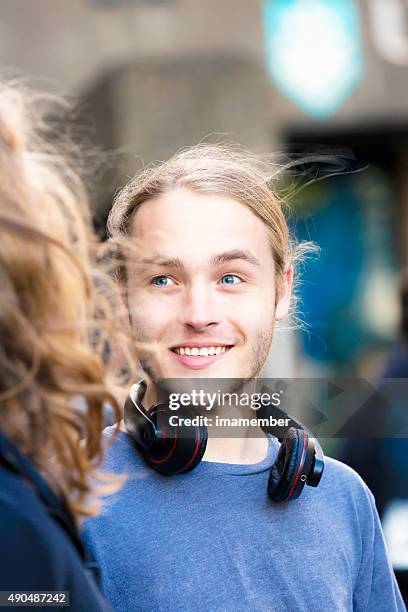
(219, 169)
(56, 317)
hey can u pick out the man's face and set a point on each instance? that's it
(202, 287)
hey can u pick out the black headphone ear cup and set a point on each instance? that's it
(286, 478)
(178, 449)
(198, 453)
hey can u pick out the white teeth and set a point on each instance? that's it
(200, 352)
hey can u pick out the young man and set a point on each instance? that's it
(210, 275)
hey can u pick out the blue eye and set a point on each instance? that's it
(230, 279)
(162, 281)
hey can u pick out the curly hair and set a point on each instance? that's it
(60, 314)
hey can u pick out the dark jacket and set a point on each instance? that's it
(39, 543)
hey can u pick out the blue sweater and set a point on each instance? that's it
(211, 540)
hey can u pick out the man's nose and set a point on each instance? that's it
(200, 309)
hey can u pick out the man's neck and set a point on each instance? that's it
(236, 450)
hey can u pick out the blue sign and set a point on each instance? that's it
(313, 51)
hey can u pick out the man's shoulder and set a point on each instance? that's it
(343, 472)
(340, 485)
(121, 452)
(341, 482)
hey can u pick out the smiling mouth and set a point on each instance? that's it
(204, 351)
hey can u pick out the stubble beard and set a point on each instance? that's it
(150, 364)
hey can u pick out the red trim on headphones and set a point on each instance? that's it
(299, 469)
(169, 454)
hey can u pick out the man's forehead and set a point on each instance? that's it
(193, 207)
(183, 222)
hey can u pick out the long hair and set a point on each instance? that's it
(220, 169)
(59, 317)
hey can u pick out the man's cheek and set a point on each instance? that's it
(146, 323)
(252, 316)
(146, 314)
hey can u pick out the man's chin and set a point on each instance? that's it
(205, 380)
(217, 370)
(224, 366)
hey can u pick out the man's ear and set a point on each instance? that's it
(285, 292)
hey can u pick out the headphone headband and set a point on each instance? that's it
(139, 425)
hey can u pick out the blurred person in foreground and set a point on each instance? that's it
(210, 276)
(54, 375)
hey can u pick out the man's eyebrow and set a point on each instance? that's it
(235, 254)
(159, 259)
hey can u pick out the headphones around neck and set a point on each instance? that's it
(179, 449)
